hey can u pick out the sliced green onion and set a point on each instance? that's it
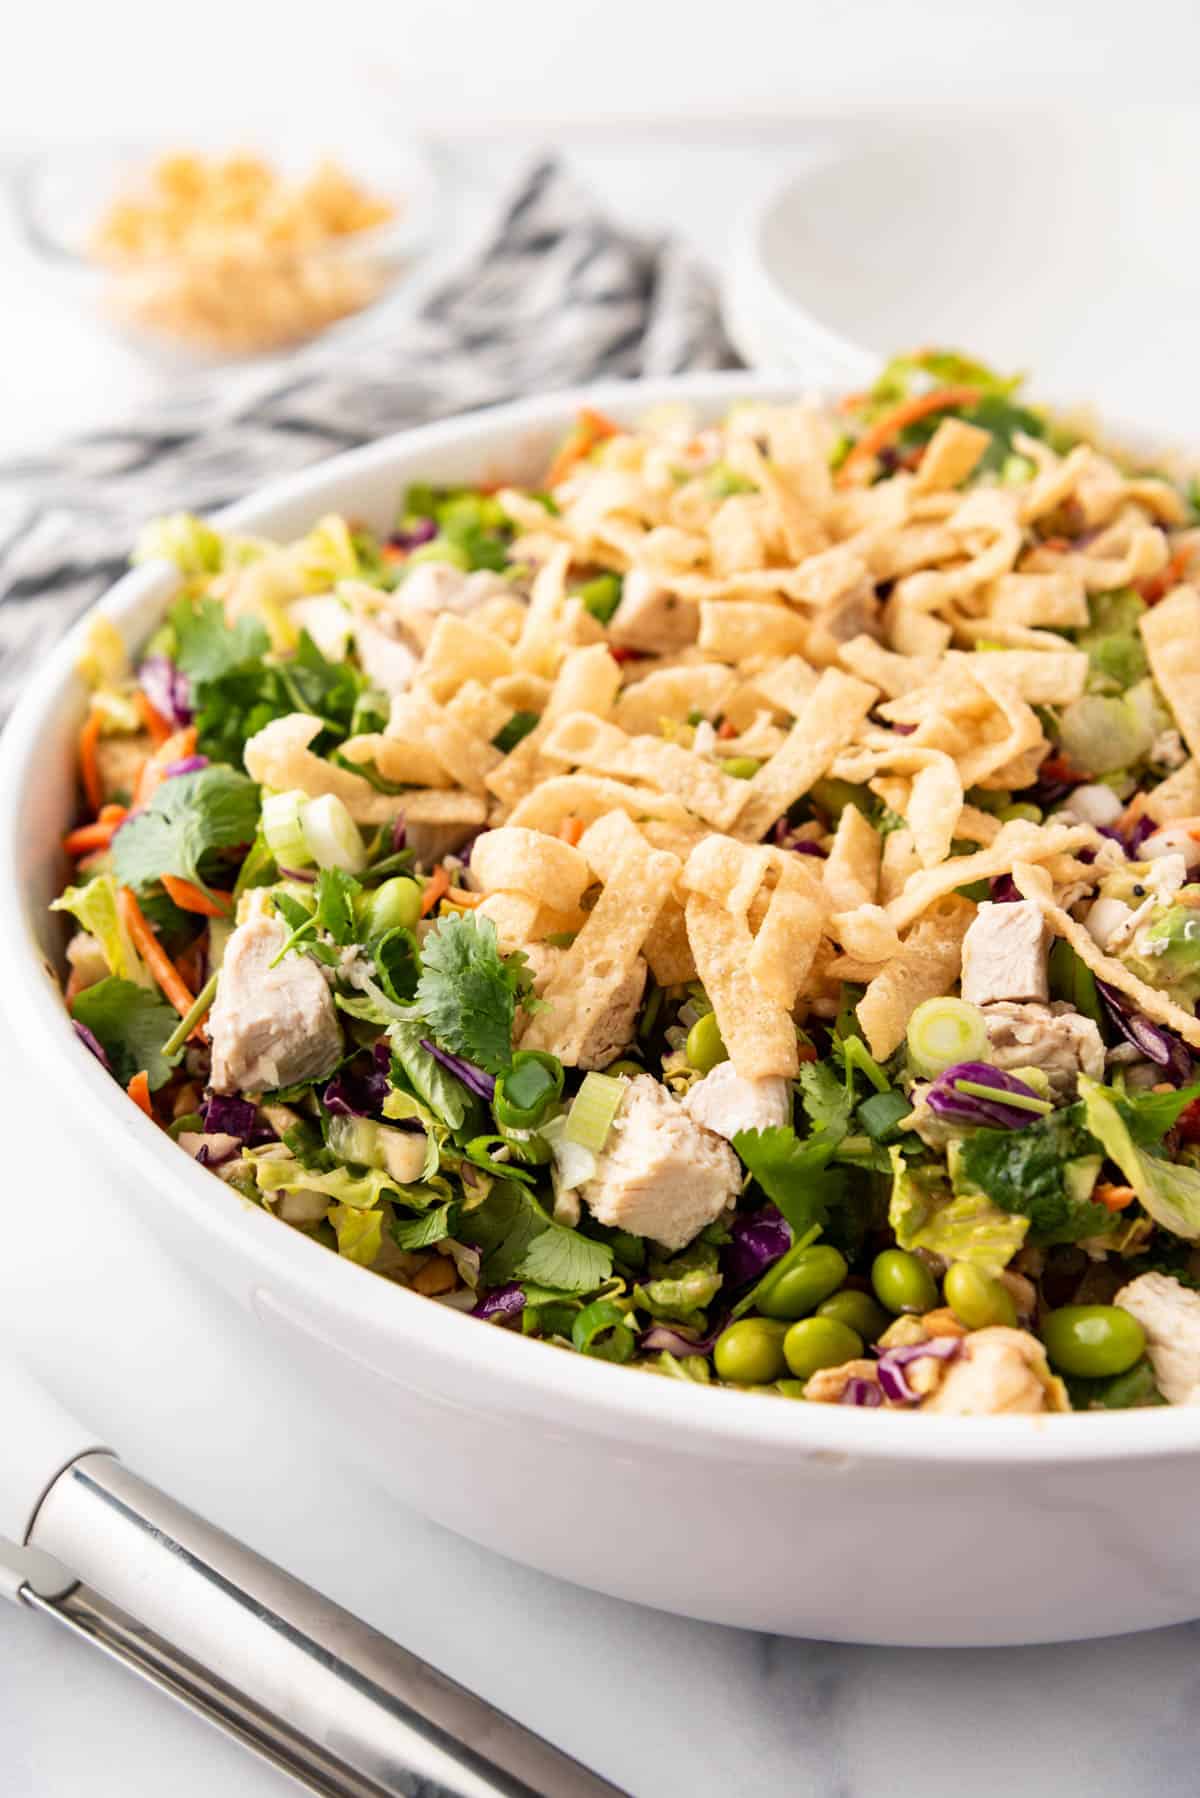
(881, 1114)
(975, 1089)
(332, 835)
(191, 1017)
(283, 829)
(593, 1109)
(944, 1031)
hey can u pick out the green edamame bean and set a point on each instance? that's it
(977, 1300)
(750, 1352)
(631, 1069)
(817, 1342)
(902, 1282)
(858, 1311)
(396, 905)
(741, 767)
(1093, 1341)
(705, 1047)
(813, 1275)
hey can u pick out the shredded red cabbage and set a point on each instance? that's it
(670, 1339)
(190, 764)
(1003, 890)
(91, 1041)
(360, 1089)
(399, 833)
(422, 530)
(303, 874)
(893, 1362)
(167, 689)
(1158, 1045)
(1141, 828)
(482, 1084)
(758, 1239)
(502, 1305)
(945, 1100)
(216, 1149)
(225, 1115)
(861, 1392)
(783, 838)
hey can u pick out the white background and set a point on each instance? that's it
(172, 1377)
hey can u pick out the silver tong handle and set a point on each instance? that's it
(284, 1670)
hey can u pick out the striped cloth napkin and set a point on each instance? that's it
(558, 294)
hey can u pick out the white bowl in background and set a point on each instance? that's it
(1055, 242)
(824, 1521)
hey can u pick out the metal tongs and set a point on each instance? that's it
(286, 1672)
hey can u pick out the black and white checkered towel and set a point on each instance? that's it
(558, 295)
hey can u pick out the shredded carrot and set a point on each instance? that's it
(160, 728)
(460, 896)
(175, 748)
(139, 1091)
(570, 830)
(113, 814)
(1157, 586)
(882, 432)
(727, 729)
(589, 429)
(189, 897)
(190, 965)
(436, 888)
(805, 1052)
(89, 765)
(850, 402)
(1113, 1198)
(392, 552)
(89, 837)
(155, 957)
(74, 986)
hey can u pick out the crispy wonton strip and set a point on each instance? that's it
(1019, 840)
(600, 960)
(851, 870)
(927, 967)
(1171, 633)
(1035, 883)
(279, 757)
(786, 942)
(758, 1033)
(1177, 797)
(511, 860)
(830, 720)
(587, 742)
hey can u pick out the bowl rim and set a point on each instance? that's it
(510, 1370)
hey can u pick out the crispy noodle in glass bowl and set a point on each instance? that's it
(644, 931)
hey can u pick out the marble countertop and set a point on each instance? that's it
(662, 1706)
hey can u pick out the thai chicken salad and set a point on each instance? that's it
(731, 909)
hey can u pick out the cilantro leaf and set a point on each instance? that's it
(1029, 1171)
(207, 647)
(518, 1240)
(422, 1232)
(131, 1024)
(824, 1097)
(189, 817)
(468, 992)
(794, 1174)
(565, 1259)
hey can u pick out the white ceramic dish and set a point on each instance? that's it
(852, 1525)
(1035, 238)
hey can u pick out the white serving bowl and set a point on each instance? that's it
(862, 1526)
(1039, 239)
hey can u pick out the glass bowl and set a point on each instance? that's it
(238, 296)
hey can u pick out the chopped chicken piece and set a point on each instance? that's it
(87, 959)
(327, 621)
(650, 617)
(270, 1026)
(387, 660)
(725, 1102)
(999, 1370)
(1004, 954)
(1056, 1039)
(1170, 1315)
(440, 587)
(826, 1386)
(660, 1175)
